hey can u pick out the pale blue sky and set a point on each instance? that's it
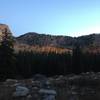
(57, 17)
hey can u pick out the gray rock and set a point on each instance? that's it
(47, 94)
(47, 91)
(21, 91)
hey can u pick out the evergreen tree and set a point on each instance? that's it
(7, 58)
(77, 60)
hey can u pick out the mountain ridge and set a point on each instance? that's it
(33, 38)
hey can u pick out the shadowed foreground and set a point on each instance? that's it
(85, 86)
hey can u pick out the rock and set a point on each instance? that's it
(29, 96)
(10, 82)
(47, 94)
(4, 31)
(21, 91)
(4, 27)
(47, 91)
(36, 84)
(41, 79)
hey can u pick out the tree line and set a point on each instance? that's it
(25, 64)
(30, 63)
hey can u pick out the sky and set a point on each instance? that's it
(55, 17)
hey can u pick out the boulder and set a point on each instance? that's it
(47, 94)
(4, 31)
(10, 82)
(47, 91)
(21, 91)
(41, 79)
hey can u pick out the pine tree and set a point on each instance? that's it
(7, 59)
(77, 60)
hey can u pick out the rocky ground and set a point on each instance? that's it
(85, 86)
